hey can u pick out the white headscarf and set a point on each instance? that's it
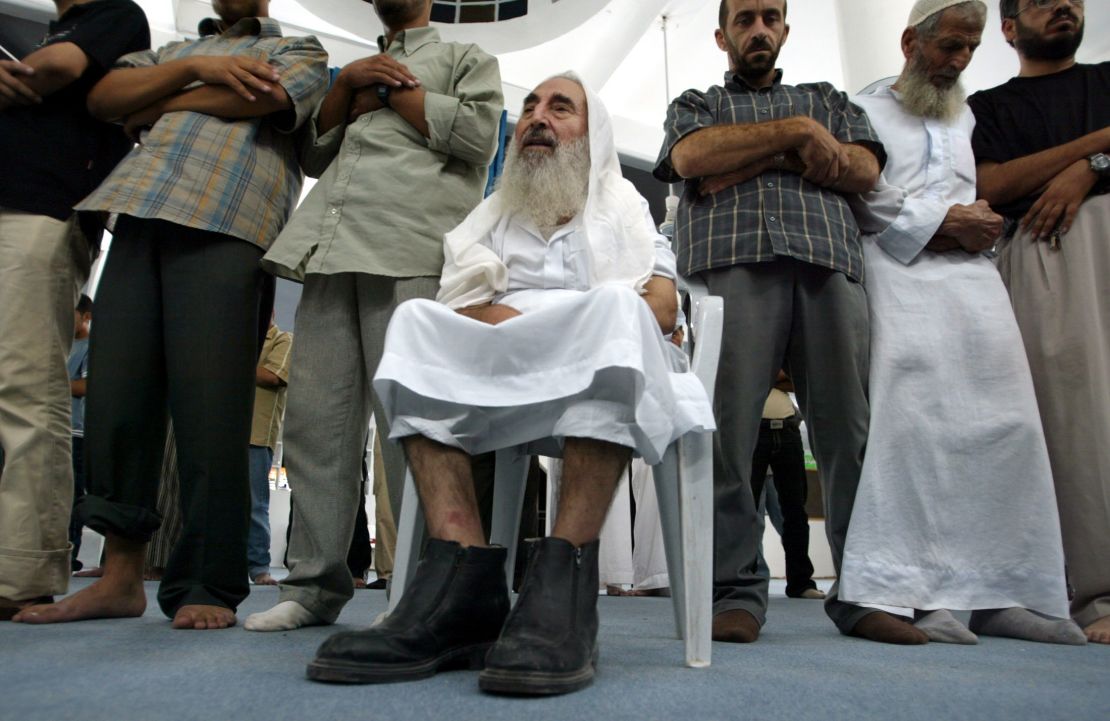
(622, 245)
(925, 9)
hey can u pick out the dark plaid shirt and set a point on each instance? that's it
(778, 213)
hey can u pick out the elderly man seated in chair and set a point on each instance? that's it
(549, 333)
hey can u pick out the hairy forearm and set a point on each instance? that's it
(659, 293)
(223, 102)
(728, 148)
(862, 173)
(333, 111)
(127, 90)
(1001, 183)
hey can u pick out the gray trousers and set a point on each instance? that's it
(341, 324)
(812, 322)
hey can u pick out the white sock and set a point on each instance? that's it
(285, 616)
(1028, 626)
(941, 626)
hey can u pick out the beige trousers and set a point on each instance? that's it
(385, 530)
(1061, 300)
(43, 263)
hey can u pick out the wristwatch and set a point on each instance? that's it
(1100, 164)
(383, 92)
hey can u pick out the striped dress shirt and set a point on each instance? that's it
(235, 177)
(778, 213)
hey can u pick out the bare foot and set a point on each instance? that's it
(94, 572)
(103, 599)
(202, 618)
(884, 628)
(9, 608)
(735, 626)
(264, 579)
(1099, 631)
(358, 582)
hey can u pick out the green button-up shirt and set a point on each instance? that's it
(387, 194)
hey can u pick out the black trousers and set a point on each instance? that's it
(781, 449)
(177, 318)
(75, 526)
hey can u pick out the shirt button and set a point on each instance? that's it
(772, 219)
(770, 185)
(334, 211)
(764, 111)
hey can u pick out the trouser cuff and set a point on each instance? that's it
(119, 519)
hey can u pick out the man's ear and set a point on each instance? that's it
(909, 41)
(719, 36)
(785, 35)
(1009, 30)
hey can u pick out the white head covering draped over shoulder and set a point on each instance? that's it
(622, 245)
(925, 9)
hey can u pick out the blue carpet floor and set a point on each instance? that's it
(800, 669)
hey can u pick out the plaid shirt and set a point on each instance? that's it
(236, 177)
(777, 213)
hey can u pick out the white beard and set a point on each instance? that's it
(548, 188)
(922, 99)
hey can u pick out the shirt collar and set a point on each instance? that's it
(733, 79)
(262, 27)
(411, 40)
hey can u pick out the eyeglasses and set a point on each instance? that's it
(1046, 4)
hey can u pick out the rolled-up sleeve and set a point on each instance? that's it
(138, 59)
(303, 66)
(687, 114)
(465, 125)
(902, 224)
(850, 125)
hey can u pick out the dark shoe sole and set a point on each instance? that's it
(534, 683)
(337, 671)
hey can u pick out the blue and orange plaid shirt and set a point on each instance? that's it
(236, 177)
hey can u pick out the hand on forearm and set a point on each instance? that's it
(15, 87)
(1001, 183)
(128, 90)
(1058, 205)
(974, 227)
(490, 313)
(223, 102)
(730, 148)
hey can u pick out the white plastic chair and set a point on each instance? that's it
(683, 483)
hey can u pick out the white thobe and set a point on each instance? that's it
(579, 361)
(955, 507)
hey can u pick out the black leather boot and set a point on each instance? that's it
(449, 617)
(549, 644)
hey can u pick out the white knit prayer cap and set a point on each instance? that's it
(924, 9)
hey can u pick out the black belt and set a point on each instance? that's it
(777, 424)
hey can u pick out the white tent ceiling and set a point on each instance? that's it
(618, 46)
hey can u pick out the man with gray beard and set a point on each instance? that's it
(555, 296)
(955, 506)
(402, 145)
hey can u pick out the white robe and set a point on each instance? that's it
(955, 507)
(575, 364)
